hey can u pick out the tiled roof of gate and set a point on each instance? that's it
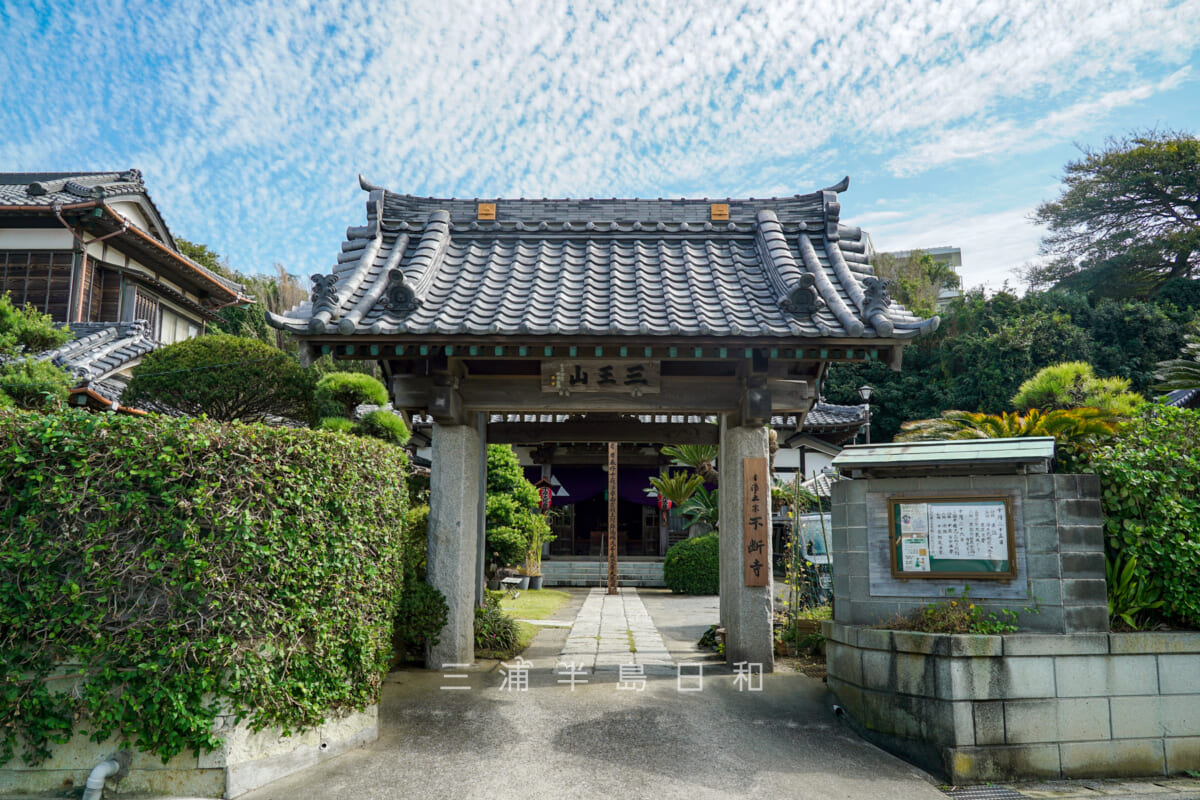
(99, 350)
(782, 267)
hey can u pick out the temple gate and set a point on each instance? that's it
(611, 317)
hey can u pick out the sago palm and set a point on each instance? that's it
(702, 507)
(1075, 430)
(699, 457)
(677, 487)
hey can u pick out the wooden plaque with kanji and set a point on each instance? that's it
(756, 521)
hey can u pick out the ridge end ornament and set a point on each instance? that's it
(324, 293)
(876, 301)
(803, 298)
(399, 296)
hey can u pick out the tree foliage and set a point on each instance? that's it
(225, 378)
(987, 346)
(515, 525)
(1150, 476)
(25, 382)
(1128, 219)
(699, 457)
(26, 331)
(276, 292)
(916, 280)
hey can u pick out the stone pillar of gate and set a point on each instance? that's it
(454, 491)
(747, 612)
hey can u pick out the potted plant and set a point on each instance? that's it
(539, 535)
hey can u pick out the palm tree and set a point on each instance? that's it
(1181, 373)
(1075, 430)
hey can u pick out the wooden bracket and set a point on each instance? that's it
(446, 406)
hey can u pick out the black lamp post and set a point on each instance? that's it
(864, 392)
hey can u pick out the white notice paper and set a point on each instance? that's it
(914, 553)
(914, 518)
(968, 531)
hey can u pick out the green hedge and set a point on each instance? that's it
(190, 566)
(1150, 479)
(693, 566)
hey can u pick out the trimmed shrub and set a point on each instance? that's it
(335, 425)
(35, 385)
(693, 566)
(420, 617)
(190, 568)
(348, 390)
(384, 425)
(506, 545)
(225, 378)
(1150, 479)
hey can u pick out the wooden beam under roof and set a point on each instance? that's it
(623, 431)
(523, 394)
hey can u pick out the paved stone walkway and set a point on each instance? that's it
(615, 630)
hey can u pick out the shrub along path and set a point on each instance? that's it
(547, 738)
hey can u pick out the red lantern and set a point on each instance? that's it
(545, 494)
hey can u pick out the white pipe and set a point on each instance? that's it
(95, 781)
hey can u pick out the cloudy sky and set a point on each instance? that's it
(252, 120)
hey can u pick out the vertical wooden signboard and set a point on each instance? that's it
(756, 520)
(612, 517)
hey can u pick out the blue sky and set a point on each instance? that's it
(252, 120)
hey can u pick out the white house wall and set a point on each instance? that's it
(35, 239)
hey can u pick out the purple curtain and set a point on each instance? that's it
(581, 483)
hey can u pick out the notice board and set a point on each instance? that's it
(952, 537)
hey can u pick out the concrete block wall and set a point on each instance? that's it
(981, 708)
(1059, 546)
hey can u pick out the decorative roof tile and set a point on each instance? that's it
(781, 267)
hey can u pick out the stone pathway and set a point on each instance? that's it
(614, 630)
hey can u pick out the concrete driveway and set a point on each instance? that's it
(552, 741)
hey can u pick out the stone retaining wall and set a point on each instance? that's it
(246, 760)
(982, 708)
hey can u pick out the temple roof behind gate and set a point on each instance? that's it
(428, 267)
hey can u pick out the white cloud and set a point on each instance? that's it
(993, 244)
(252, 119)
(992, 136)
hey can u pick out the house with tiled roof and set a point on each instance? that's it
(92, 250)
